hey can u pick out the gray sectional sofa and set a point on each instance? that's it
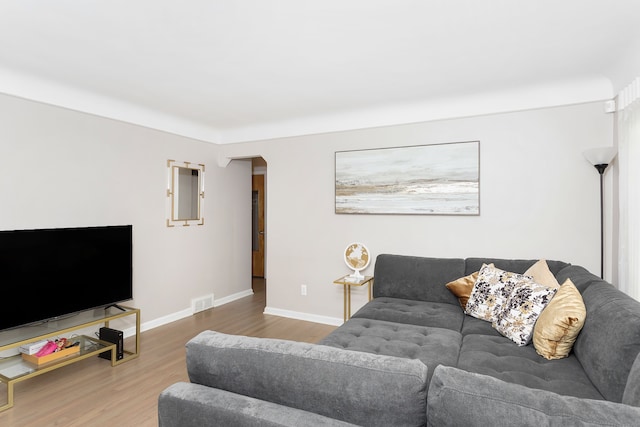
(412, 357)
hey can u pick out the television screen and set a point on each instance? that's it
(50, 273)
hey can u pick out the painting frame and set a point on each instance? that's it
(429, 179)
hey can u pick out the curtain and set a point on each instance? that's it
(629, 189)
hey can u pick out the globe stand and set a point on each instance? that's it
(356, 275)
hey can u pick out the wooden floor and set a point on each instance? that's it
(92, 393)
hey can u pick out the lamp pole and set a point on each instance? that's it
(600, 158)
(601, 168)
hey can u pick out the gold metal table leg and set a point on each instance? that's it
(344, 315)
(10, 394)
(348, 302)
(9, 403)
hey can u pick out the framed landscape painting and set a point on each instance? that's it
(437, 179)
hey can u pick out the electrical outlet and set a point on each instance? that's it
(303, 290)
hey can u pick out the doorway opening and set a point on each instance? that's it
(258, 222)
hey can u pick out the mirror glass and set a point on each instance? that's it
(185, 193)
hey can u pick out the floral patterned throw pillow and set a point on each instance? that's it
(491, 292)
(521, 311)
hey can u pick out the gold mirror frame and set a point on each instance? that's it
(185, 193)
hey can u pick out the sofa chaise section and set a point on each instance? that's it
(326, 382)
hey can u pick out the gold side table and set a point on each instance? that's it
(347, 282)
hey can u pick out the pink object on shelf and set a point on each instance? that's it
(48, 348)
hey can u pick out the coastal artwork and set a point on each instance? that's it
(437, 179)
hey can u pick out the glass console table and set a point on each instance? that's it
(14, 368)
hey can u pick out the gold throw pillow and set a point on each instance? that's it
(463, 286)
(560, 323)
(542, 275)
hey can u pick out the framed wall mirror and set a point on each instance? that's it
(185, 193)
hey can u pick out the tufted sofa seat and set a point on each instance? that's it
(412, 312)
(481, 349)
(436, 345)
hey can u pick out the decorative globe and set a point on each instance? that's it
(356, 256)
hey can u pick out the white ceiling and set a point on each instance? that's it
(237, 70)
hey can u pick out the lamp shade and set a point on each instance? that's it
(600, 156)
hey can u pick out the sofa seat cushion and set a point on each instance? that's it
(422, 313)
(499, 357)
(355, 387)
(433, 346)
(467, 399)
(475, 326)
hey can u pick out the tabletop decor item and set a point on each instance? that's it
(356, 256)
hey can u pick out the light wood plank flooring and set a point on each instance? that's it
(92, 393)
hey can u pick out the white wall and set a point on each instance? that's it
(625, 68)
(539, 199)
(62, 168)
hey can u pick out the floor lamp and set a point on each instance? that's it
(600, 159)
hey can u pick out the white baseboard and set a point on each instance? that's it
(233, 297)
(159, 321)
(334, 321)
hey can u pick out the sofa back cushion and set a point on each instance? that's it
(609, 342)
(416, 278)
(512, 265)
(360, 388)
(580, 277)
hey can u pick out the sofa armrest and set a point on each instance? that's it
(460, 398)
(193, 405)
(352, 386)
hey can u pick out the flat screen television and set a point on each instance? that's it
(51, 273)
